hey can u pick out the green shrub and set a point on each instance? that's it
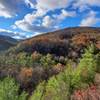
(98, 62)
(85, 72)
(61, 86)
(9, 90)
(57, 88)
(47, 61)
(39, 92)
(36, 57)
(88, 64)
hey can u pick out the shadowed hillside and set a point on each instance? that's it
(6, 42)
(66, 42)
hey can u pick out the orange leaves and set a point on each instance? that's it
(25, 76)
(81, 39)
(84, 39)
(98, 44)
(91, 93)
(26, 72)
(36, 56)
(58, 68)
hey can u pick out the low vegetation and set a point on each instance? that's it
(34, 76)
(71, 81)
(47, 68)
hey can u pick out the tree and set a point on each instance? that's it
(47, 61)
(85, 72)
(98, 62)
(88, 63)
(9, 90)
(57, 88)
(39, 92)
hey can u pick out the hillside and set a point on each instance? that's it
(6, 42)
(60, 65)
(66, 42)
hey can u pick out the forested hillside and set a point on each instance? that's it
(61, 65)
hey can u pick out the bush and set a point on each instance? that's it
(98, 62)
(55, 89)
(88, 63)
(36, 57)
(61, 86)
(85, 72)
(9, 90)
(47, 61)
(39, 92)
(26, 74)
(23, 59)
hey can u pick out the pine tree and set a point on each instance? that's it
(88, 64)
(9, 90)
(39, 92)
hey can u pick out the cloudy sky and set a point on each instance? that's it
(26, 18)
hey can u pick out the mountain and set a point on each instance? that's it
(64, 68)
(6, 42)
(66, 42)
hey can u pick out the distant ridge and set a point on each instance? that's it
(66, 42)
(6, 42)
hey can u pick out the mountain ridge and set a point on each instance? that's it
(66, 42)
(6, 42)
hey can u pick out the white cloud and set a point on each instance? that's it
(12, 33)
(31, 17)
(4, 30)
(26, 24)
(90, 19)
(27, 27)
(68, 14)
(30, 3)
(92, 2)
(23, 25)
(43, 6)
(85, 4)
(4, 12)
(52, 4)
(64, 14)
(48, 21)
(38, 21)
(8, 9)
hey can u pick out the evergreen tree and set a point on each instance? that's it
(9, 90)
(39, 92)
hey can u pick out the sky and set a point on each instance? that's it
(26, 18)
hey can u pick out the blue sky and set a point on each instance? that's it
(27, 18)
